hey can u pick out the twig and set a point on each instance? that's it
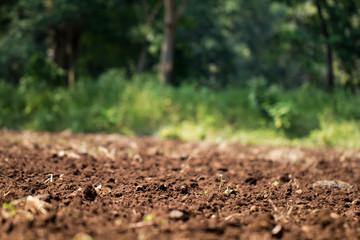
(141, 224)
(8, 177)
(50, 179)
(273, 205)
(278, 215)
(231, 216)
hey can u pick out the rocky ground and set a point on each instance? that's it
(64, 186)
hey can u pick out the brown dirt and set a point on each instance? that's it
(64, 186)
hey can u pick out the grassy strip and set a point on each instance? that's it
(256, 114)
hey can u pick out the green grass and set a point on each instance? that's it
(255, 114)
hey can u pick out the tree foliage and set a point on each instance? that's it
(215, 42)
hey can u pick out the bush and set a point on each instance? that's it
(143, 106)
(282, 113)
(43, 70)
(272, 103)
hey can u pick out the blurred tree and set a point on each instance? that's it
(113, 36)
(149, 15)
(63, 19)
(172, 14)
(218, 42)
(51, 26)
(263, 41)
(16, 42)
(344, 27)
(64, 29)
(204, 49)
(329, 50)
(338, 24)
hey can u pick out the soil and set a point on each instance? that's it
(82, 187)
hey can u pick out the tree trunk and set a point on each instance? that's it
(329, 52)
(70, 61)
(149, 16)
(167, 49)
(171, 18)
(65, 45)
(143, 58)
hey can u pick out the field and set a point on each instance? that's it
(65, 186)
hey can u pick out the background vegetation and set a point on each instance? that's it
(261, 71)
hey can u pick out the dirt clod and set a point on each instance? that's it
(184, 189)
(89, 193)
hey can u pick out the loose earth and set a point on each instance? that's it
(96, 186)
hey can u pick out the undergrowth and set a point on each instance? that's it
(254, 114)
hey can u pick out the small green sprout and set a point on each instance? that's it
(149, 217)
(163, 222)
(228, 191)
(10, 210)
(222, 181)
(275, 183)
(131, 154)
(8, 206)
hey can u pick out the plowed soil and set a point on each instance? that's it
(64, 186)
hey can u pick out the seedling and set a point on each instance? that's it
(32, 204)
(24, 208)
(228, 191)
(149, 217)
(222, 181)
(163, 222)
(50, 179)
(8, 206)
(107, 153)
(35, 204)
(8, 210)
(275, 183)
(281, 214)
(131, 154)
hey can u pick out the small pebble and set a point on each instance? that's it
(82, 236)
(90, 193)
(299, 191)
(277, 230)
(176, 214)
(333, 184)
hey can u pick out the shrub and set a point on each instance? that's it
(143, 106)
